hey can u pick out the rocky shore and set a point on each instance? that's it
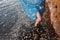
(10, 23)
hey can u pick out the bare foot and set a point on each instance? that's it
(38, 20)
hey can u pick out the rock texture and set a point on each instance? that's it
(54, 6)
(55, 15)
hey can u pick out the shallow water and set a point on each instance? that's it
(12, 18)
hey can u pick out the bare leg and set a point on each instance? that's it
(38, 20)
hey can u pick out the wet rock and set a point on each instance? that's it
(42, 32)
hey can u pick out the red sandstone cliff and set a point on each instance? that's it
(53, 16)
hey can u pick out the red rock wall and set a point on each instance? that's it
(54, 6)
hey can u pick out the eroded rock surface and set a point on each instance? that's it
(54, 6)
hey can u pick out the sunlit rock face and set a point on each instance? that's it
(54, 6)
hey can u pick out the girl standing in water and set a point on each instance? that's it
(34, 9)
